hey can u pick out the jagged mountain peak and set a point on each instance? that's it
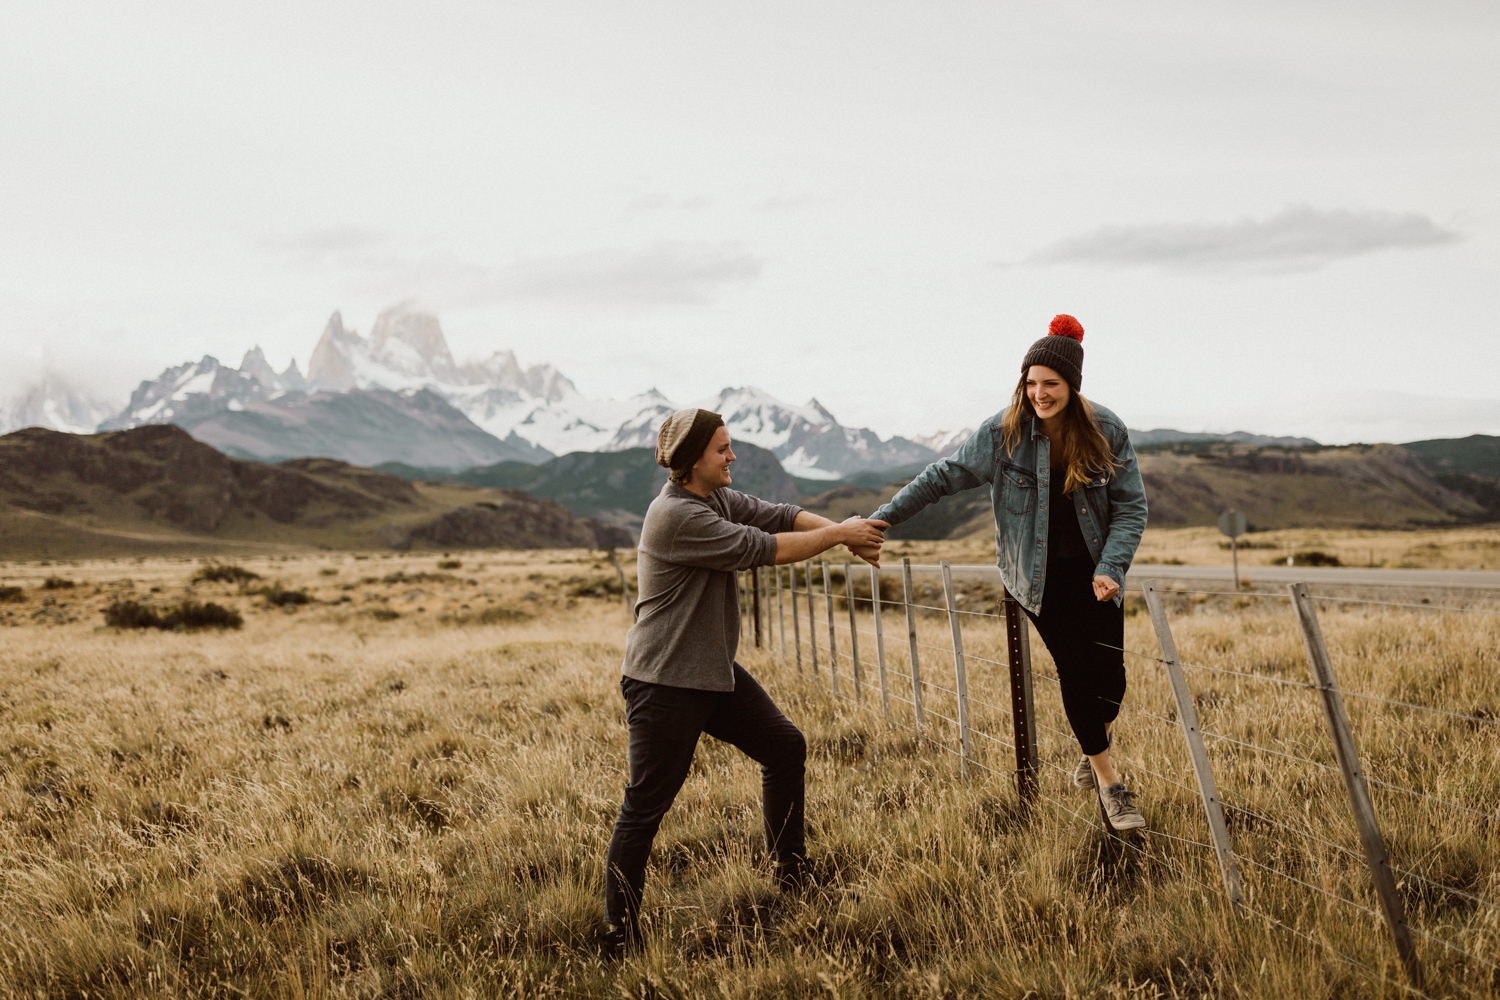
(410, 340)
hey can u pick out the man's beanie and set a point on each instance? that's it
(683, 437)
(1061, 350)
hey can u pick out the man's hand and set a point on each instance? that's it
(864, 537)
(1105, 588)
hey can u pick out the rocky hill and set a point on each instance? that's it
(155, 487)
(1358, 486)
(614, 487)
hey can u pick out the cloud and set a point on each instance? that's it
(661, 274)
(1298, 238)
(331, 242)
(665, 273)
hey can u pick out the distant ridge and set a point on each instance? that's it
(156, 488)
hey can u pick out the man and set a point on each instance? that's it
(680, 676)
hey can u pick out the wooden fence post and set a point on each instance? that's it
(1354, 781)
(624, 587)
(833, 642)
(1022, 706)
(796, 623)
(812, 621)
(960, 677)
(911, 638)
(885, 697)
(853, 633)
(755, 575)
(780, 614)
(1187, 716)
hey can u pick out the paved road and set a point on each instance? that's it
(1280, 576)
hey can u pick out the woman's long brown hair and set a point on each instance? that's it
(1085, 452)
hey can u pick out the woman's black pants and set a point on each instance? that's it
(1086, 638)
(665, 723)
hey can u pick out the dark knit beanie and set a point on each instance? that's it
(1061, 350)
(683, 436)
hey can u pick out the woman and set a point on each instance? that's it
(1069, 512)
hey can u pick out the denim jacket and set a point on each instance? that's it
(1111, 508)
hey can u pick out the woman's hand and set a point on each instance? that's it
(1105, 588)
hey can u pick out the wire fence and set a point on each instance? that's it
(1286, 812)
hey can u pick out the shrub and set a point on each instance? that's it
(278, 596)
(1313, 557)
(12, 594)
(449, 564)
(192, 615)
(131, 614)
(57, 583)
(224, 573)
(384, 614)
(187, 615)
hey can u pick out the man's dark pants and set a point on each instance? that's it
(665, 723)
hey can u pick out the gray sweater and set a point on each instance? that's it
(687, 622)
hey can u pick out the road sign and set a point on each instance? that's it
(1232, 523)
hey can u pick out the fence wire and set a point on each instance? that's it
(868, 605)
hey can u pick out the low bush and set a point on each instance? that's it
(57, 583)
(12, 594)
(188, 615)
(278, 596)
(1312, 557)
(224, 573)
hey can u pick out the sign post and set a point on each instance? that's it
(1232, 523)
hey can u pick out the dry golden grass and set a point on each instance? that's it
(405, 788)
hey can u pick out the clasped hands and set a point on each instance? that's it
(864, 536)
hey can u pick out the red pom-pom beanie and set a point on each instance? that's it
(1061, 350)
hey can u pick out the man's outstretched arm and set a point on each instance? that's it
(812, 533)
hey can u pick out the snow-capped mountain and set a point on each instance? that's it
(55, 403)
(499, 409)
(944, 442)
(190, 391)
(807, 439)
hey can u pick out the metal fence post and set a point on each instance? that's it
(1354, 781)
(1187, 715)
(911, 638)
(1022, 707)
(853, 633)
(885, 697)
(960, 678)
(833, 642)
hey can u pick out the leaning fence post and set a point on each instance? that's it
(1022, 708)
(796, 623)
(1187, 715)
(812, 621)
(1354, 781)
(911, 638)
(833, 642)
(853, 633)
(885, 698)
(960, 678)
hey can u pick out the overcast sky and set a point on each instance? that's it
(1281, 217)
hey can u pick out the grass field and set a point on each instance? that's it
(403, 787)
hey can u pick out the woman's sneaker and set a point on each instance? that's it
(1119, 807)
(1083, 774)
